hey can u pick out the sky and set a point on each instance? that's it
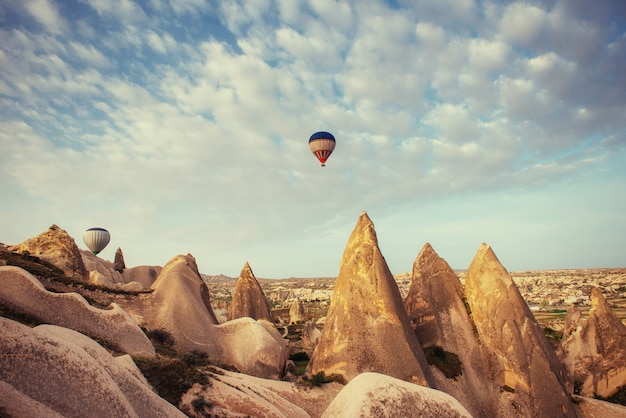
(182, 127)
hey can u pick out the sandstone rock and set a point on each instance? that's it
(101, 272)
(297, 314)
(58, 248)
(593, 350)
(523, 362)
(118, 261)
(24, 293)
(181, 305)
(367, 327)
(249, 299)
(310, 337)
(59, 370)
(145, 275)
(254, 347)
(377, 395)
(435, 305)
(238, 395)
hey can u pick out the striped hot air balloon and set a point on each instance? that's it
(96, 239)
(322, 145)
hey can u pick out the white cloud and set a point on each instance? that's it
(46, 12)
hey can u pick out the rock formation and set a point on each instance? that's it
(310, 337)
(145, 275)
(523, 362)
(367, 327)
(593, 350)
(297, 314)
(377, 395)
(52, 371)
(249, 299)
(58, 248)
(118, 261)
(435, 305)
(181, 305)
(22, 292)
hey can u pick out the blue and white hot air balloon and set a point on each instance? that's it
(322, 145)
(96, 239)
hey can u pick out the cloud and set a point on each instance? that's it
(184, 125)
(46, 12)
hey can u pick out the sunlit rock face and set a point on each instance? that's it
(524, 364)
(367, 328)
(297, 313)
(249, 299)
(435, 305)
(50, 371)
(25, 294)
(594, 349)
(58, 248)
(310, 337)
(377, 395)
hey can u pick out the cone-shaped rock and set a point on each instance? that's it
(439, 316)
(118, 262)
(57, 247)
(594, 350)
(297, 314)
(182, 306)
(248, 298)
(367, 328)
(523, 362)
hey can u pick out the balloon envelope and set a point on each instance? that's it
(322, 145)
(96, 239)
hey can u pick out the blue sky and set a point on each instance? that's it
(182, 127)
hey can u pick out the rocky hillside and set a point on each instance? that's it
(83, 336)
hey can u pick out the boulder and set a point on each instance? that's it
(367, 327)
(377, 395)
(54, 371)
(58, 248)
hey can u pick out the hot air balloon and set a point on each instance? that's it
(322, 144)
(96, 239)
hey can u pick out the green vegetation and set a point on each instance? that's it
(449, 363)
(171, 373)
(320, 378)
(554, 337)
(301, 360)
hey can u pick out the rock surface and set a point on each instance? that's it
(118, 262)
(248, 298)
(297, 313)
(24, 293)
(524, 364)
(366, 313)
(377, 395)
(593, 350)
(51, 370)
(57, 247)
(435, 304)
